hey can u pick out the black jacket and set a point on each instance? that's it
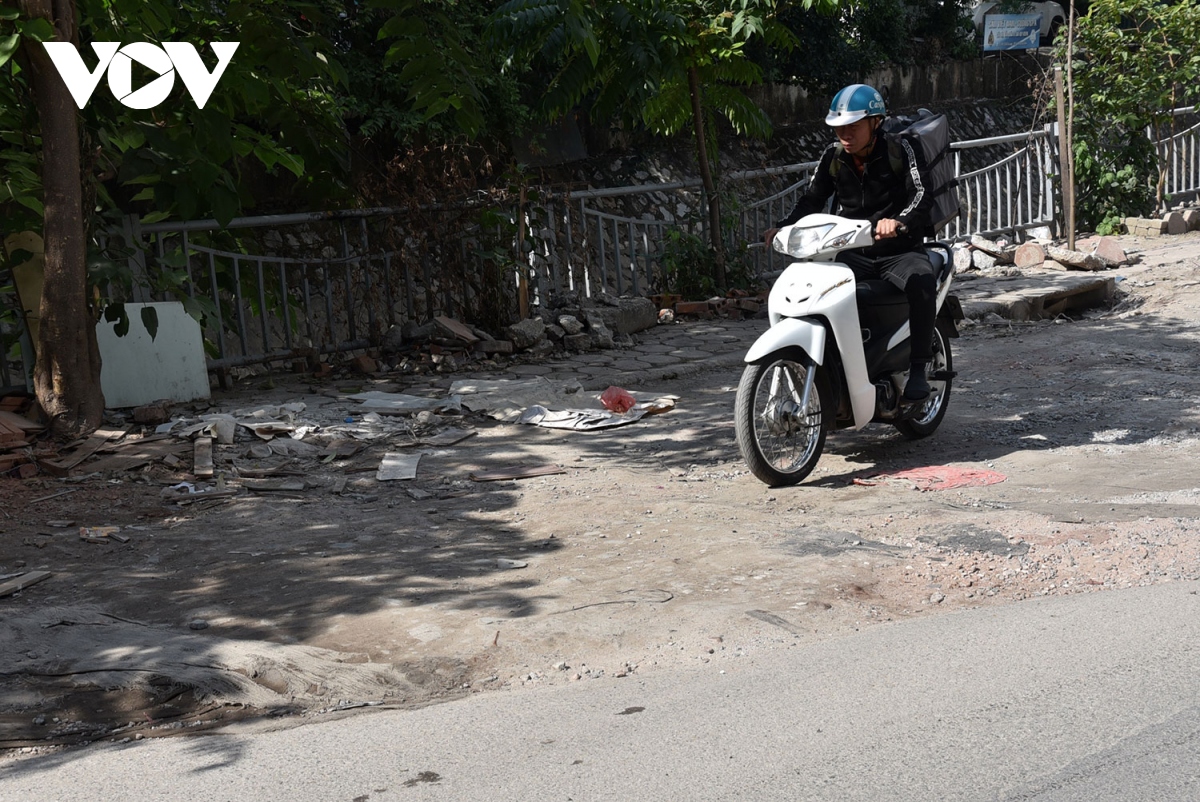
(880, 192)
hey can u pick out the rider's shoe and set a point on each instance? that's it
(917, 386)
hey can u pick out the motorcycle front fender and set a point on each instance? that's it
(790, 332)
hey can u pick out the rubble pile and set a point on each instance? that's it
(566, 324)
(1003, 257)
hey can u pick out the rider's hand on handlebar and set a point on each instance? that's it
(888, 228)
(769, 235)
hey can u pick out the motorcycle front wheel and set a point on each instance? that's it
(780, 436)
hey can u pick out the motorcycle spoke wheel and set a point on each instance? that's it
(930, 414)
(780, 436)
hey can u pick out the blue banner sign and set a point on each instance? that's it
(1011, 31)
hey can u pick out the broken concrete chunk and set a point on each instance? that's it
(364, 364)
(577, 342)
(153, 413)
(1109, 251)
(963, 260)
(393, 340)
(570, 324)
(982, 260)
(627, 315)
(526, 333)
(601, 336)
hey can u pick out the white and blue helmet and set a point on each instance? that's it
(854, 103)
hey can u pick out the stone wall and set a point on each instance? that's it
(993, 78)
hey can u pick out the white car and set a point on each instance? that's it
(1053, 16)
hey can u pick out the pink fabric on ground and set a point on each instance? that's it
(937, 477)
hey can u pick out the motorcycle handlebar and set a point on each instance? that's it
(900, 228)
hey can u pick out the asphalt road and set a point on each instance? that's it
(1086, 697)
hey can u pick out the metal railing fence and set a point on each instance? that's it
(299, 285)
(1180, 155)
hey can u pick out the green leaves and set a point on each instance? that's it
(1135, 61)
(439, 72)
(37, 30)
(631, 58)
(8, 46)
(272, 111)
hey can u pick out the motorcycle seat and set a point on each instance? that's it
(877, 292)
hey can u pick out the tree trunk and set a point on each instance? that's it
(67, 373)
(710, 187)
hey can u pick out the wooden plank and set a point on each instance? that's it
(516, 472)
(20, 422)
(89, 447)
(17, 584)
(455, 329)
(273, 484)
(8, 461)
(135, 457)
(203, 460)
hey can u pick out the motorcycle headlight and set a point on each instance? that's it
(803, 242)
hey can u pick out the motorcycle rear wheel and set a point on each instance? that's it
(930, 415)
(780, 440)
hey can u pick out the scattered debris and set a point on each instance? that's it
(403, 404)
(93, 533)
(89, 447)
(507, 399)
(618, 399)
(591, 419)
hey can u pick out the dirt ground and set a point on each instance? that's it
(655, 549)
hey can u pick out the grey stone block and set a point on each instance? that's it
(629, 316)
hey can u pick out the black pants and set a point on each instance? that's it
(911, 272)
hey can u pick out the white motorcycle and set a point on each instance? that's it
(837, 353)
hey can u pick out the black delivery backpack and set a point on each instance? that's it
(929, 136)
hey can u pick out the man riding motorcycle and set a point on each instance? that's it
(874, 179)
